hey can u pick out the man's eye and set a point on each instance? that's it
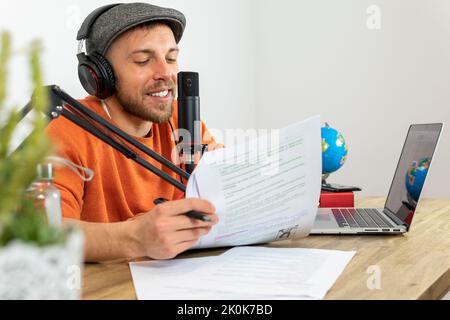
(171, 60)
(141, 63)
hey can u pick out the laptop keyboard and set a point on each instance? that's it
(360, 218)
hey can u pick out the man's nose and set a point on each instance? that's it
(162, 71)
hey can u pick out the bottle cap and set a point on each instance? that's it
(45, 171)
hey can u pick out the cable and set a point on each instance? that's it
(176, 142)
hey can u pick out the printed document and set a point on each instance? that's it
(265, 190)
(243, 273)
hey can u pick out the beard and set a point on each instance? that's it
(136, 106)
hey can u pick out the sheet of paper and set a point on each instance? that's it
(164, 280)
(160, 280)
(265, 190)
(250, 273)
(277, 272)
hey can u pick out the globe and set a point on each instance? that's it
(334, 150)
(415, 177)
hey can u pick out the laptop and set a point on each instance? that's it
(404, 194)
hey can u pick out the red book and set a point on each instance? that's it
(337, 199)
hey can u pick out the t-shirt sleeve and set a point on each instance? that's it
(208, 138)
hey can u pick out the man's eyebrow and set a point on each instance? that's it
(151, 52)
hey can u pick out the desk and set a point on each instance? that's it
(413, 266)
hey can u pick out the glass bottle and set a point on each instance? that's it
(46, 195)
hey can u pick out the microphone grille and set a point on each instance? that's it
(188, 84)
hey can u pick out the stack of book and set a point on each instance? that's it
(330, 199)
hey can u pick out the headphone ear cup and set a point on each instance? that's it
(108, 80)
(88, 74)
(96, 75)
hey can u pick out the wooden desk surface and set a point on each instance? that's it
(413, 266)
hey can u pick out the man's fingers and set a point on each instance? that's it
(183, 246)
(215, 146)
(180, 207)
(179, 223)
(191, 234)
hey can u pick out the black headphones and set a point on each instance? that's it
(94, 71)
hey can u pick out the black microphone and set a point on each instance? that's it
(190, 139)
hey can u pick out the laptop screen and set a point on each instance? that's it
(412, 170)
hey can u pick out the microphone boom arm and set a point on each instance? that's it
(62, 104)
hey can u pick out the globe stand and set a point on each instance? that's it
(333, 187)
(325, 177)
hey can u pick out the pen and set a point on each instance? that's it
(190, 214)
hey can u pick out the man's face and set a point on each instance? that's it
(145, 65)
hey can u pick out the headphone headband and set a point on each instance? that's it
(86, 27)
(94, 71)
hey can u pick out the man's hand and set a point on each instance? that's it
(165, 231)
(214, 146)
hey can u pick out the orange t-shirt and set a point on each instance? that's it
(121, 188)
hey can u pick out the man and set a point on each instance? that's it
(115, 210)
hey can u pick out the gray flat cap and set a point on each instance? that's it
(120, 18)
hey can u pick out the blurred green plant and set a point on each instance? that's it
(19, 218)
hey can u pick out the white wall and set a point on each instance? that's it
(266, 63)
(217, 43)
(319, 57)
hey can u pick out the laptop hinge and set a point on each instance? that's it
(393, 217)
